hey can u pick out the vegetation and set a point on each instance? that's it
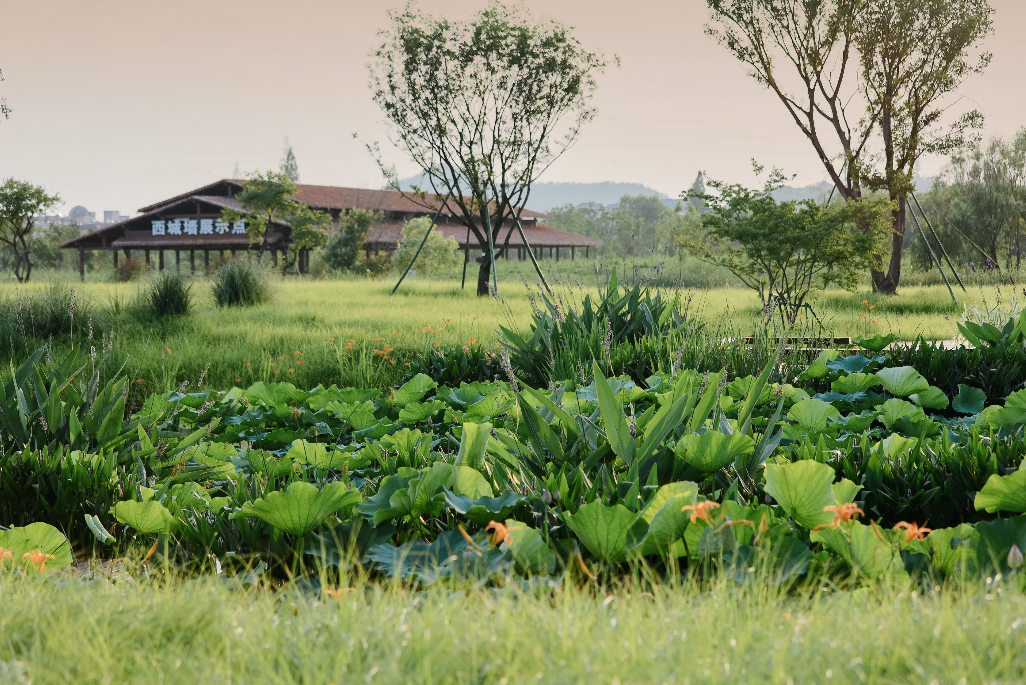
(168, 295)
(239, 284)
(20, 202)
(438, 253)
(483, 107)
(344, 251)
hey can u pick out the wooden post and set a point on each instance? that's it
(192, 261)
(147, 260)
(233, 254)
(115, 259)
(81, 264)
(586, 249)
(178, 260)
(274, 258)
(221, 257)
(557, 253)
(128, 254)
(573, 250)
(206, 261)
(160, 260)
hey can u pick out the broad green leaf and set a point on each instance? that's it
(357, 415)
(420, 411)
(712, 450)
(969, 400)
(877, 343)
(859, 545)
(413, 390)
(932, 398)
(845, 491)
(145, 517)
(739, 388)
(849, 364)
(484, 509)
(855, 382)
(316, 454)
(539, 433)
(617, 431)
(902, 381)
(565, 420)
(706, 404)
(665, 518)
(948, 553)
(667, 419)
(1003, 493)
(995, 542)
(471, 483)
(894, 409)
(378, 507)
(818, 368)
(812, 414)
(302, 507)
(531, 555)
(802, 489)
(895, 445)
(20, 541)
(473, 445)
(603, 530)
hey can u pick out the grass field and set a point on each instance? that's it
(213, 630)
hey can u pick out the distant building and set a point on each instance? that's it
(81, 217)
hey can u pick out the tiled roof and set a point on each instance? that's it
(387, 234)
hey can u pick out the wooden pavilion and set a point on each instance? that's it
(192, 223)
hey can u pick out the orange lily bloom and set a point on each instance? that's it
(38, 559)
(6, 554)
(700, 510)
(912, 531)
(335, 593)
(845, 512)
(499, 532)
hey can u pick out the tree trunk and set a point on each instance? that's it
(888, 283)
(484, 273)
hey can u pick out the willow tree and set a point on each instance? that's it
(867, 83)
(483, 106)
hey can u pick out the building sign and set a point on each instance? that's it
(194, 226)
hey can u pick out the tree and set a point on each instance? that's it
(785, 250)
(438, 253)
(289, 167)
(20, 202)
(854, 66)
(344, 251)
(483, 107)
(266, 199)
(5, 111)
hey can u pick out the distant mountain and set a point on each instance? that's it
(545, 196)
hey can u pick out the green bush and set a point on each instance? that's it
(129, 269)
(168, 295)
(438, 253)
(239, 284)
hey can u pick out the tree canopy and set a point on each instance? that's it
(20, 202)
(483, 106)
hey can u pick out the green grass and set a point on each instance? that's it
(211, 630)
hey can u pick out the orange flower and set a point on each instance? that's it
(335, 593)
(352, 340)
(499, 532)
(436, 344)
(872, 307)
(407, 363)
(247, 363)
(38, 559)
(379, 352)
(272, 363)
(331, 340)
(281, 359)
(427, 329)
(292, 370)
(700, 510)
(395, 332)
(275, 373)
(845, 512)
(169, 350)
(475, 318)
(238, 380)
(873, 321)
(472, 341)
(138, 380)
(6, 554)
(912, 531)
(865, 302)
(466, 349)
(448, 320)
(300, 361)
(349, 347)
(299, 354)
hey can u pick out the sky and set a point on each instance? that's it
(117, 104)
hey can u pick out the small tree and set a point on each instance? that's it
(344, 251)
(785, 250)
(288, 166)
(20, 202)
(483, 107)
(266, 199)
(5, 111)
(438, 253)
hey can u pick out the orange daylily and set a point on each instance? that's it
(913, 531)
(865, 302)
(6, 554)
(499, 532)
(845, 512)
(335, 593)
(700, 510)
(38, 559)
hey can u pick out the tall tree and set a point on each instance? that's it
(266, 199)
(5, 111)
(914, 53)
(288, 166)
(852, 68)
(483, 107)
(20, 202)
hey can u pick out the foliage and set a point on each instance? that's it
(274, 220)
(168, 295)
(438, 253)
(20, 202)
(483, 107)
(344, 251)
(637, 225)
(129, 269)
(239, 284)
(784, 250)
(469, 363)
(288, 166)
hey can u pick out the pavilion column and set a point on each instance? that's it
(274, 258)
(115, 259)
(573, 250)
(128, 254)
(178, 260)
(147, 260)
(221, 256)
(192, 261)
(586, 249)
(206, 261)
(81, 264)
(160, 260)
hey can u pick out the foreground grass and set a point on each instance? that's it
(209, 630)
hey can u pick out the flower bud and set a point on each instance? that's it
(546, 497)
(1014, 557)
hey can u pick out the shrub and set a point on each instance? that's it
(239, 284)
(168, 295)
(129, 269)
(344, 252)
(438, 253)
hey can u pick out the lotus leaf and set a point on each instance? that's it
(357, 415)
(969, 400)
(812, 414)
(902, 381)
(1003, 493)
(818, 368)
(845, 491)
(37, 536)
(464, 396)
(484, 509)
(849, 364)
(420, 411)
(531, 555)
(413, 390)
(995, 540)
(473, 445)
(145, 517)
(740, 387)
(855, 382)
(877, 343)
(802, 489)
(316, 454)
(603, 530)
(894, 446)
(711, 451)
(951, 546)
(865, 553)
(894, 409)
(301, 508)
(665, 518)
(932, 398)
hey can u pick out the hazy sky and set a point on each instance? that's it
(117, 103)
